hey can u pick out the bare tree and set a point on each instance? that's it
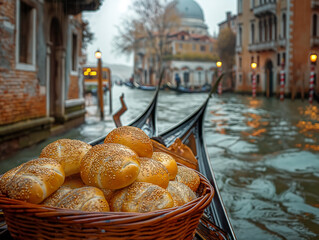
(149, 29)
(226, 50)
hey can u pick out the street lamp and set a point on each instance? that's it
(313, 59)
(220, 87)
(254, 82)
(98, 56)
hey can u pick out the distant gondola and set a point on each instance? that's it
(204, 89)
(129, 84)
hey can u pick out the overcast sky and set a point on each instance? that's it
(104, 21)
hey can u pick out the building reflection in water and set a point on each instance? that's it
(309, 127)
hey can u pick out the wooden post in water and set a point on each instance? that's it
(98, 56)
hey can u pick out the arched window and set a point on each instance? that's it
(284, 24)
(314, 25)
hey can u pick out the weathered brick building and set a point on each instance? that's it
(41, 90)
(276, 34)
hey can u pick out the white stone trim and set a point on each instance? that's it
(74, 102)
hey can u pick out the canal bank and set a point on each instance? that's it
(264, 154)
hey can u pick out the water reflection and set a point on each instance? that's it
(266, 162)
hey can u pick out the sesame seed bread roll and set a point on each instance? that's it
(111, 166)
(33, 181)
(141, 197)
(168, 161)
(74, 181)
(181, 193)
(153, 172)
(89, 199)
(133, 138)
(67, 152)
(188, 176)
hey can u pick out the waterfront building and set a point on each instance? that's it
(230, 22)
(192, 53)
(277, 35)
(41, 87)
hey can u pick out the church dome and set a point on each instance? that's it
(189, 9)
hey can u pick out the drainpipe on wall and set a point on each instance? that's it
(288, 48)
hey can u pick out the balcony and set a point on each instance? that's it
(74, 7)
(239, 49)
(282, 42)
(315, 3)
(314, 41)
(265, 9)
(264, 46)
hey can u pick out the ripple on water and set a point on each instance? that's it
(294, 161)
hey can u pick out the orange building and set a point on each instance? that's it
(278, 35)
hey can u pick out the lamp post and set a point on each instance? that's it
(254, 82)
(98, 56)
(313, 59)
(220, 86)
(282, 80)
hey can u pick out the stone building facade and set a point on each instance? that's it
(278, 35)
(41, 89)
(192, 55)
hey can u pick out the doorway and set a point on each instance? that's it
(269, 78)
(55, 67)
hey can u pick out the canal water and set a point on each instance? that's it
(265, 155)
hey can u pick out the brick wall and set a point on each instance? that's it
(73, 87)
(20, 96)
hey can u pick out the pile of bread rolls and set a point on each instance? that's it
(121, 175)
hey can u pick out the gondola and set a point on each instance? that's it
(204, 89)
(214, 224)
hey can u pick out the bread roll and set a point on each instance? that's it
(133, 138)
(110, 166)
(33, 181)
(168, 161)
(154, 172)
(181, 193)
(89, 199)
(141, 197)
(73, 181)
(188, 176)
(67, 152)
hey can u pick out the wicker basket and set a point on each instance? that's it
(31, 221)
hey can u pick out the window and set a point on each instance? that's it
(252, 4)
(25, 37)
(314, 25)
(181, 46)
(252, 59)
(240, 6)
(74, 52)
(258, 61)
(194, 47)
(284, 32)
(278, 59)
(270, 29)
(203, 48)
(284, 57)
(239, 36)
(211, 48)
(260, 31)
(239, 62)
(240, 78)
(252, 33)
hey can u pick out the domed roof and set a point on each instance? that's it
(189, 9)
